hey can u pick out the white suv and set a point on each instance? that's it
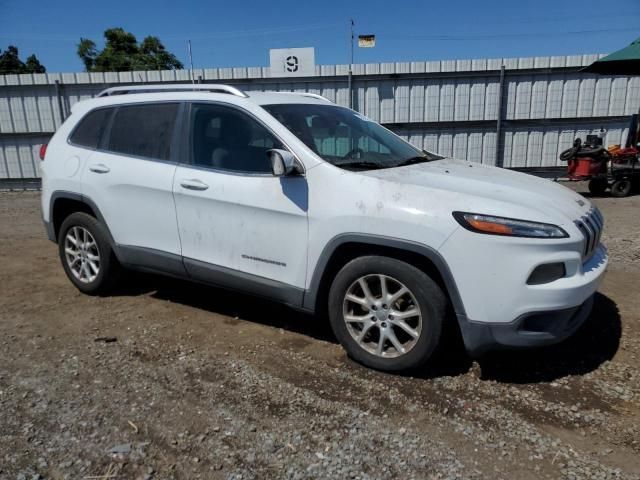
(291, 197)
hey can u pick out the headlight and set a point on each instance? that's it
(508, 226)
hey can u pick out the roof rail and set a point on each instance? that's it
(304, 94)
(200, 87)
(315, 95)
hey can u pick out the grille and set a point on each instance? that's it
(591, 227)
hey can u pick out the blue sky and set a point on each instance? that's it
(240, 33)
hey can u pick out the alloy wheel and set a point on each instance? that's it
(382, 315)
(82, 254)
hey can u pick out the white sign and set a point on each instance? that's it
(292, 62)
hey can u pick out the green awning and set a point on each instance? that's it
(623, 62)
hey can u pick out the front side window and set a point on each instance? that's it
(143, 130)
(224, 138)
(346, 138)
(89, 131)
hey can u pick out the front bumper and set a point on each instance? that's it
(529, 330)
(544, 314)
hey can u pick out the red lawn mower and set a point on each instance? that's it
(615, 168)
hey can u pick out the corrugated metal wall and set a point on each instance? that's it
(450, 107)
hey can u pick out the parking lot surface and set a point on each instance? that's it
(168, 379)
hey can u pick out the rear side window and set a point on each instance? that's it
(91, 128)
(143, 130)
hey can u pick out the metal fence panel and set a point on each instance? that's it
(416, 101)
(475, 145)
(19, 157)
(423, 101)
(477, 100)
(432, 101)
(540, 146)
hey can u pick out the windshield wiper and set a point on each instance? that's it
(359, 164)
(426, 157)
(414, 160)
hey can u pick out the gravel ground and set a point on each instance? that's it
(167, 379)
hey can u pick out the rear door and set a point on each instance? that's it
(130, 178)
(237, 220)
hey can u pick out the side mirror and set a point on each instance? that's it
(283, 162)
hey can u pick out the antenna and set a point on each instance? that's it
(191, 62)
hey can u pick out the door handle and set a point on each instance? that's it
(99, 168)
(194, 184)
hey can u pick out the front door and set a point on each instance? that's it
(239, 225)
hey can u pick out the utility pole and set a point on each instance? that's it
(499, 158)
(193, 81)
(351, 65)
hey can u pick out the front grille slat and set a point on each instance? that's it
(599, 233)
(594, 233)
(591, 226)
(589, 238)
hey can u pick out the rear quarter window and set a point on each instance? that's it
(90, 129)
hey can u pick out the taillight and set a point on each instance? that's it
(43, 151)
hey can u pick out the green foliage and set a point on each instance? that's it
(10, 63)
(33, 65)
(122, 52)
(87, 53)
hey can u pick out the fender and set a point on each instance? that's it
(58, 194)
(131, 256)
(310, 296)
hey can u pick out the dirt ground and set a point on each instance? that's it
(166, 379)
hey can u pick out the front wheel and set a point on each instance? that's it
(86, 254)
(386, 313)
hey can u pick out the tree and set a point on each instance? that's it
(87, 53)
(122, 52)
(154, 54)
(10, 63)
(33, 65)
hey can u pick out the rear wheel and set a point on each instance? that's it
(621, 188)
(86, 254)
(387, 314)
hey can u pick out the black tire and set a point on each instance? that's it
(598, 186)
(109, 268)
(429, 298)
(621, 188)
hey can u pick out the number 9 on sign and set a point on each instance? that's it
(291, 63)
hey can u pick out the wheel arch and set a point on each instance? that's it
(346, 247)
(63, 204)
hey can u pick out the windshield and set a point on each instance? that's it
(345, 138)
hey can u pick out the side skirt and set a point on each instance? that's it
(244, 282)
(151, 260)
(155, 261)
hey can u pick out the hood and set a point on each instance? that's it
(502, 189)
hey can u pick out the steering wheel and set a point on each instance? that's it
(353, 151)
